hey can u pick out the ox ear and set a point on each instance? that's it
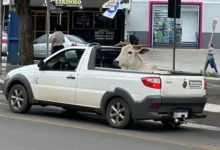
(143, 50)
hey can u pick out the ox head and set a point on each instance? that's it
(129, 56)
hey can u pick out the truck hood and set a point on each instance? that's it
(23, 70)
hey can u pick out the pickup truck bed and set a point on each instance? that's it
(88, 81)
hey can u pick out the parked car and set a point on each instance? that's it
(84, 78)
(4, 43)
(40, 44)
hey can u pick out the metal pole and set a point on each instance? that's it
(3, 28)
(60, 18)
(1, 6)
(10, 2)
(174, 36)
(48, 26)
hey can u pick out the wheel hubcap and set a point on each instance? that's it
(17, 99)
(117, 113)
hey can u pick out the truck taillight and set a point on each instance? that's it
(155, 106)
(205, 84)
(152, 82)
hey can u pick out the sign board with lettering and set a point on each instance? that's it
(66, 3)
(104, 35)
(7, 2)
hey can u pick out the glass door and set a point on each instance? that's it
(39, 22)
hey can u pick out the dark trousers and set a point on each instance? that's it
(57, 48)
(212, 64)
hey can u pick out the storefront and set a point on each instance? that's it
(80, 17)
(188, 26)
(83, 18)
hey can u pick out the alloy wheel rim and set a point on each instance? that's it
(117, 113)
(17, 99)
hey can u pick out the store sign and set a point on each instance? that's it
(214, 23)
(67, 3)
(104, 35)
(125, 4)
(7, 2)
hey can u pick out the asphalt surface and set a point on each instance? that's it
(50, 128)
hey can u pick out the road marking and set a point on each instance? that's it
(201, 126)
(212, 108)
(193, 124)
(148, 138)
(213, 85)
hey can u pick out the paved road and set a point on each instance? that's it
(51, 129)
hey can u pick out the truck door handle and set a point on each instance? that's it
(71, 77)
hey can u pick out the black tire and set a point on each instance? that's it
(170, 124)
(126, 114)
(16, 104)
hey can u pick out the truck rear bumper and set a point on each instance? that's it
(158, 107)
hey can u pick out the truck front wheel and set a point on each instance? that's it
(18, 99)
(118, 113)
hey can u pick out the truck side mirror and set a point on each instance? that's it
(41, 64)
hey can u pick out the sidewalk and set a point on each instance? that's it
(192, 60)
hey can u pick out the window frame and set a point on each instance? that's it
(60, 53)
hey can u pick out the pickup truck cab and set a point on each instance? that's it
(85, 79)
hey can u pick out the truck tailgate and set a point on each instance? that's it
(182, 86)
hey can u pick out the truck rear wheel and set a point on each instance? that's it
(118, 113)
(18, 99)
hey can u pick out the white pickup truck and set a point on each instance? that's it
(85, 79)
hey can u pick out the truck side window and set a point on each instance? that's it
(65, 61)
(105, 58)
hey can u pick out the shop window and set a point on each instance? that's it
(83, 20)
(91, 20)
(163, 28)
(65, 23)
(40, 23)
(88, 20)
(102, 22)
(53, 22)
(78, 20)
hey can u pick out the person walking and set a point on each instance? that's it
(211, 58)
(57, 39)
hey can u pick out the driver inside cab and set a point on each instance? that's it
(60, 64)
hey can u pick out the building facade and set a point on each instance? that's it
(82, 18)
(148, 19)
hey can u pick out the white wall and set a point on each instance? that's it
(190, 26)
(210, 12)
(139, 16)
